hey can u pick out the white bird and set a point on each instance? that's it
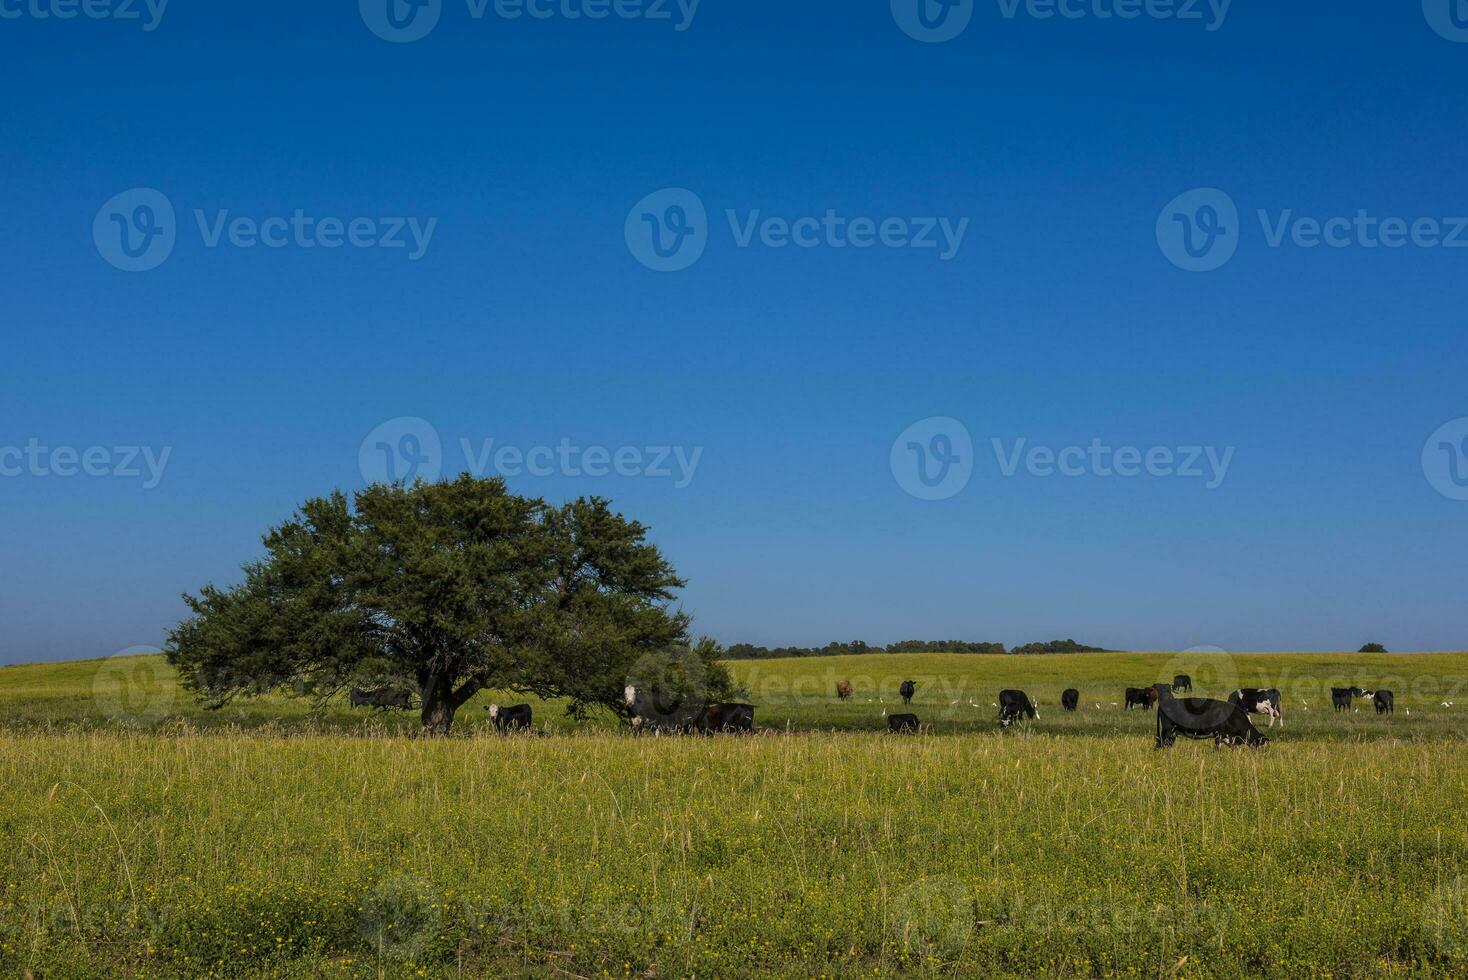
(1447, 704)
(1098, 706)
(992, 704)
(952, 702)
(1408, 710)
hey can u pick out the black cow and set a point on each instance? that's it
(1385, 703)
(1340, 697)
(1013, 705)
(1225, 723)
(725, 718)
(1069, 698)
(1259, 701)
(1182, 682)
(509, 719)
(382, 698)
(907, 690)
(1143, 696)
(902, 724)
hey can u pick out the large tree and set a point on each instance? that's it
(449, 588)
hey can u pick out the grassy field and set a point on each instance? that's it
(143, 838)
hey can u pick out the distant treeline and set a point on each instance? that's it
(747, 651)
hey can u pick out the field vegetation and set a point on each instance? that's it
(146, 837)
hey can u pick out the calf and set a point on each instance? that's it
(1340, 697)
(1069, 698)
(509, 719)
(843, 690)
(902, 724)
(381, 699)
(1225, 723)
(907, 690)
(1259, 701)
(1014, 705)
(1385, 703)
(1140, 696)
(1182, 682)
(725, 718)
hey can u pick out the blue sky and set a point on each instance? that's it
(536, 147)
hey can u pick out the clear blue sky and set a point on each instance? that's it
(528, 320)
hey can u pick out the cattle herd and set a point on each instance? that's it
(1226, 722)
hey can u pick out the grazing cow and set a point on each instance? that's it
(1182, 682)
(725, 718)
(907, 690)
(843, 690)
(509, 719)
(655, 712)
(1013, 705)
(1259, 701)
(1341, 697)
(1386, 704)
(382, 698)
(1142, 696)
(901, 724)
(1225, 723)
(1069, 698)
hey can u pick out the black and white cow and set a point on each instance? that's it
(1142, 697)
(1069, 698)
(1014, 705)
(1341, 697)
(1386, 704)
(1225, 723)
(382, 698)
(907, 690)
(510, 719)
(902, 724)
(651, 711)
(1182, 682)
(1259, 701)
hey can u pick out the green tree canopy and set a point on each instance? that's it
(448, 588)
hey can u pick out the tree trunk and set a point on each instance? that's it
(438, 706)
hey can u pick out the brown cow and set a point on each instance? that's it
(843, 690)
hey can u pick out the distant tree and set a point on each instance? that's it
(1373, 648)
(1058, 646)
(448, 587)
